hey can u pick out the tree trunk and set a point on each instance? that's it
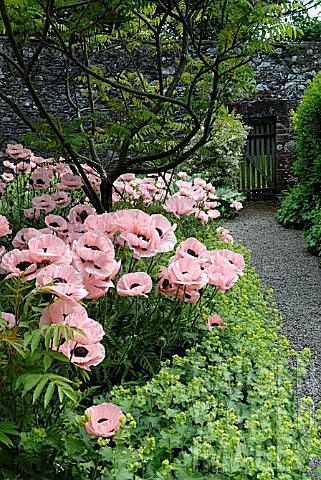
(106, 190)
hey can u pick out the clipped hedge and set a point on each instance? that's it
(226, 410)
(300, 205)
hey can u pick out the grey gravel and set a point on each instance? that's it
(284, 263)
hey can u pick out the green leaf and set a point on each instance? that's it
(47, 361)
(49, 393)
(36, 336)
(60, 394)
(28, 380)
(39, 388)
(5, 439)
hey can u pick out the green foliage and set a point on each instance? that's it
(308, 134)
(225, 410)
(218, 160)
(295, 206)
(301, 205)
(149, 100)
(310, 27)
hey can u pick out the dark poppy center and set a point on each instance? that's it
(39, 181)
(134, 285)
(140, 235)
(101, 420)
(188, 296)
(23, 265)
(54, 224)
(166, 283)
(43, 264)
(45, 249)
(184, 273)
(192, 252)
(59, 280)
(83, 215)
(160, 232)
(80, 352)
(92, 247)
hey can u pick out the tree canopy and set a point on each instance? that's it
(156, 75)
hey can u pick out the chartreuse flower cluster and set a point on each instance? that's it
(225, 410)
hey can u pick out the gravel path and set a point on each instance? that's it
(284, 264)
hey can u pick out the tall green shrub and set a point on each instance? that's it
(300, 205)
(308, 134)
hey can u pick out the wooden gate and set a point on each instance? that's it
(257, 168)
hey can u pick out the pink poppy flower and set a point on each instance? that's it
(187, 272)
(63, 281)
(98, 264)
(62, 168)
(127, 177)
(213, 214)
(40, 178)
(138, 232)
(8, 164)
(188, 295)
(198, 194)
(40, 160)
(57, 224)
(126, 219)
(103, 223)
(210, 205)
(9, 318)
(209, 188)
(23, 236)
(201, 216)
(104, 419)
(221, 273)
(134, 284)
(2, 252)
(200, 182)
(236, 259)
(58, 311)
(179, 206)
(215, 321)
(225, 235)
(95, 182)
(69, 181)
(83, 356)
(91, 242)
(165, 231)
(78, 215)
(49, 248)
(96, 287)
(193, 249)
(7, 177)
(44, 202)
(61, 199)
(32, 213)
(17, 150)
(165, 285)
(237, 205)
(182, 175)
(4, 226)
(19, 262)
(93, 331)
(24, 167)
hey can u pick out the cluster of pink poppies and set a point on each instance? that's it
(193, 267)
(195, 197)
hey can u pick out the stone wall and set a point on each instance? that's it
(281, 78)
